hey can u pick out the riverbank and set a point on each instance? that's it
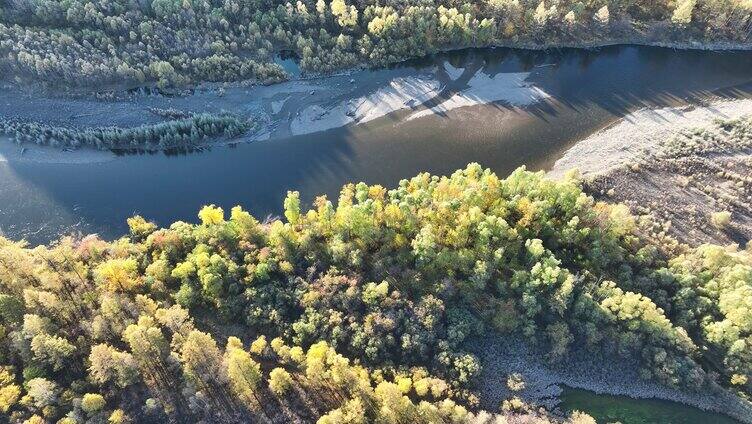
(698, 45)
(420, 97)
(627, 163)
(504, 355)
(299, 107)
(642, 133)
(678, 45)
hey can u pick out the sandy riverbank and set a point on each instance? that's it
(421, 96)
(513, 89)
(640, 133)
(503, 355)
(397, 94)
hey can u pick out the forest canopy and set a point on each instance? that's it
(179, 42)
(188, 130)
(235, 319)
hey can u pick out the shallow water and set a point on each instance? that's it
(587, 90)
(611, 409)
(287, 61)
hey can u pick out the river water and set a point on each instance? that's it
(578, 93)
(624, 410)
(585, 91)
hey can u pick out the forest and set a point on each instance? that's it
(360, 310)
(181, 42)
(191, 129)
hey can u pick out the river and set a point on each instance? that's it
(584, 91)
(624, 410)
(554, 99)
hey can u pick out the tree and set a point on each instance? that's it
(151, 351)
(165, 8)
(164, 72)
(9, 392)
(202, 366)
(347, 16)
(570, 18)
(280, 381)
(541, 14)
(140, 228)
(108, 365)
(352, 412)
(11, 309)
(92, 403)
(602, 16)
(43, 392)
(118, 416)
(201, 358)
(243, 373)
(579, 417)
(683, 13)
(292, 207)
(258, 347)
(720, 219)
(118, 275)
(52, 350)
(211, 215)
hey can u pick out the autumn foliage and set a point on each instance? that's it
(357, 312)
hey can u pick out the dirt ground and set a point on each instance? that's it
(682, 189)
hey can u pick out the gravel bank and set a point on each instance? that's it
(628, 163)
(398, 94)
(503, 355)
(642, 132)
